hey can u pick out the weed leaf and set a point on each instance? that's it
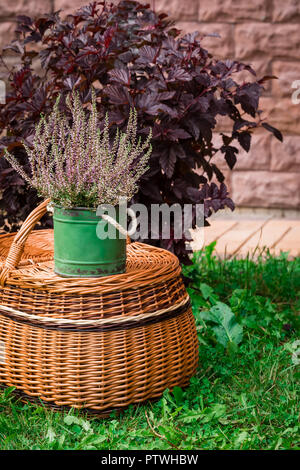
(227, 329)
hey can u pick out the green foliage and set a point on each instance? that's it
(227, 330)
(245, 394)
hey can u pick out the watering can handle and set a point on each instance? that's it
(122, 230)
(17, 246)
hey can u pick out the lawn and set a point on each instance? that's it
(246, 391)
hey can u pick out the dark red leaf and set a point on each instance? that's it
(120, 76)
(244, 139)
(273, 130)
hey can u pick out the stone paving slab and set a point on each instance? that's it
(239, 238)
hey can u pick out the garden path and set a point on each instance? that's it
(240, 237)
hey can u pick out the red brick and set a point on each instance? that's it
(265, 189)
(282, 113)
(68, 7)
(232, 11)
(10, 8)
(262, 40)
(258, 157)
(287, 73)
(287, 10)
(224, 124)
(262, 68)
(7, 30)
(286, 155)
(221, 48)
(177, 9)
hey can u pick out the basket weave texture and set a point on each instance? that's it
(92, 343)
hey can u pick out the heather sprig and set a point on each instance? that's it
(77, 164)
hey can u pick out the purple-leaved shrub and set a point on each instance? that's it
(135, 58)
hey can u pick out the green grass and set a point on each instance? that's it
(246, 391)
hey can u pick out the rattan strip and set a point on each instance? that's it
(38, 247)
(16, 250)
(117, 320)
(146, 265)
(95, 305)
(69, 328)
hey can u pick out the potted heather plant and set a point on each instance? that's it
(79, 167)
(142, 61)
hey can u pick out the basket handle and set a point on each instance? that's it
(17, 246)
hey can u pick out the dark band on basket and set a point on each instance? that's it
(124, 325)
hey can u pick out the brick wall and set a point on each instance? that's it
(264, 33)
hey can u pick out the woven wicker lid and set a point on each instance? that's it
(145, 265)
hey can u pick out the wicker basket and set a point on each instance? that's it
(98, 344)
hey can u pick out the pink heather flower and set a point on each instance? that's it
(77, 165)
